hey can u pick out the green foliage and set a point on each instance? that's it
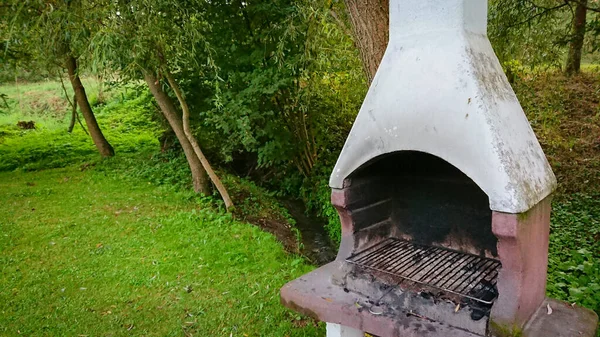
(40, 35)
(43, 102)
(574, 268)
(254, 202)
(317, 195)
(564, 114)
(529, 31)
(9, 73)
(289, 86)
(130, 123)
(169, 170)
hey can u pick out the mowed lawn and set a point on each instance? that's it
(88, 253)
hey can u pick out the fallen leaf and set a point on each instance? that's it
(457, 308)
(549, 309)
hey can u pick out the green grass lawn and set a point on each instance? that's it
(97, 254)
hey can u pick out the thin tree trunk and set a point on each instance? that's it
(19, 91)
(101, 97)
(576, 44)
(199, 176)
(370, 24)
(73, 114)
(104, 147)
(73, 104)
(80, 124)
(190, 136)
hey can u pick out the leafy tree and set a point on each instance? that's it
(289, 85)
(55, 35)
(532, 32)
(155, 39)
(527, 32)
(537, 32)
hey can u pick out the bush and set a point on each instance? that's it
(574, 270)
(317, 195)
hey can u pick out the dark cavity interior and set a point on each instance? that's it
(419, 197)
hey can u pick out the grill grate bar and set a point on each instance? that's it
(399, 252)
(403, 260)
(456, 271)
(467, 275)
(472, 273)
(415, 260)
(384, 246)
(442, 260)
(432, 257)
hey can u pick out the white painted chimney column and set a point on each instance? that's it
(336, 330)
(414, 17)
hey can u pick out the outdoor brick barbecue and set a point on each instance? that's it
(444, 196)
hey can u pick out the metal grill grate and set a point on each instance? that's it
(463, 274)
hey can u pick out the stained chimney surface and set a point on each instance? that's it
(441, 90)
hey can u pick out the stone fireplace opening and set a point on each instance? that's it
(419, 197)
(418, 236)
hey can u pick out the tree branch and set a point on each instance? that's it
(188, 133)
(545, 11)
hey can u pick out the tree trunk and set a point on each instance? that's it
(101, 97)
(190, 136)
(370, 24)
(576, 44)
(73, 114)
(104, 147)
(199, 176)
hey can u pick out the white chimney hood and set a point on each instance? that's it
(440, 89)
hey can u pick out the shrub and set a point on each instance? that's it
(574, 271)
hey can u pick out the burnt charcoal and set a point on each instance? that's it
(489, 291)
(478, 313)
(426, 295)
(384, 287)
